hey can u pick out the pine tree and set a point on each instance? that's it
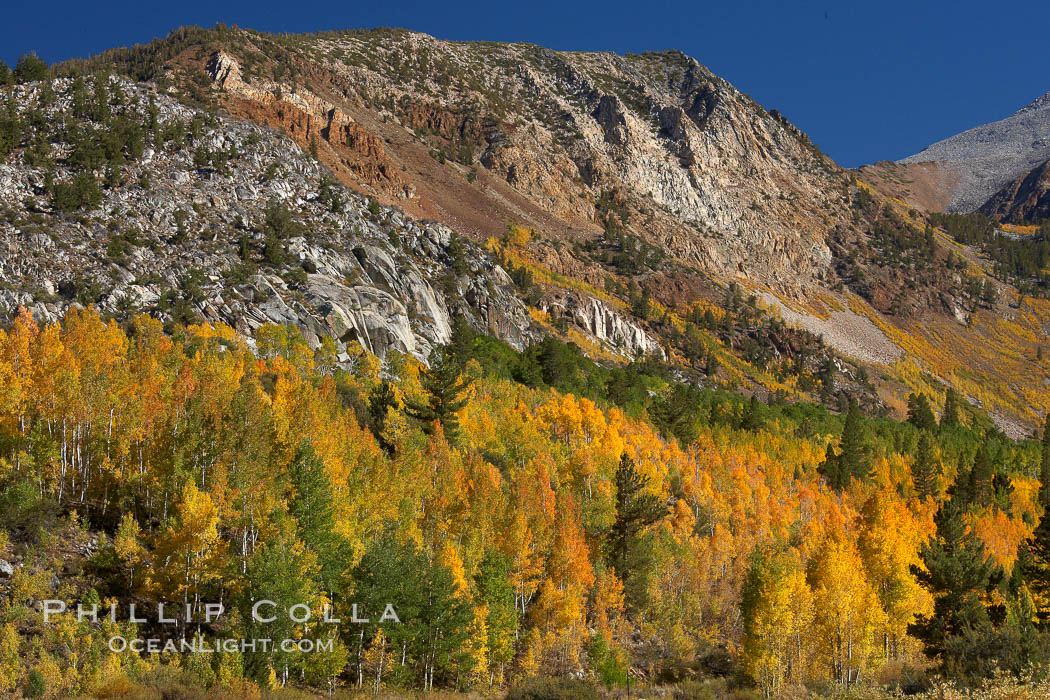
(100, 104)
(851, 461)
(312, 504)
(827, 379)
(641, 305)
(558, 363)
(752, 419)
(636, 509)
(30, 67)
(460, 348)
(11, 127)
(711, 365)
(732, 298)
(380, 400)
(919, 412)
(958, 573)
(675, 415)
(929, 240)
(528, 370)
(989, 293)
(445, 394)
(923, 471)
(950, 415)
(960, 488)
(981, 475)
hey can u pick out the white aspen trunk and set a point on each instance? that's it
(62, 464)
(360, 659)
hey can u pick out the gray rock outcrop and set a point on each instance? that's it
(237, 225)
(355, 272)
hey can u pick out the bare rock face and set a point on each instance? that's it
(1026, 198)
(490, 301)
(310, 119)
(374, 318)
(611, 117)
(695, 160)
(225, 70)
(612, 328)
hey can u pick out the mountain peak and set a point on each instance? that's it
(977, 162)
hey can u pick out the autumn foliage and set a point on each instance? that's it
(557, 535)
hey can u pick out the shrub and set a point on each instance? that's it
(373, 209)
(694, 690)
(607, 662)
(553, 689)
(36, 686)
(21, 506)
(82, 192)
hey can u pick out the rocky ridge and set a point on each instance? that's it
(691, 159)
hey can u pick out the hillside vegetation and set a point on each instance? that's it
(523, 529)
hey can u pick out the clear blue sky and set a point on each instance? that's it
(867, 81)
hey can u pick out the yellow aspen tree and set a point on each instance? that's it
(800, 616)
(10, 387)
(129, 547)
(529, 661)
(378, 660)
(890, 539)
(847, 609)
(451, 560)
(16, 365)
(10, 660)
(188, 554)
(767, 610)
(526, 566)
(607, 606)
(476, 647)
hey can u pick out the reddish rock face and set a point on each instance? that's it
(1025, 199)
